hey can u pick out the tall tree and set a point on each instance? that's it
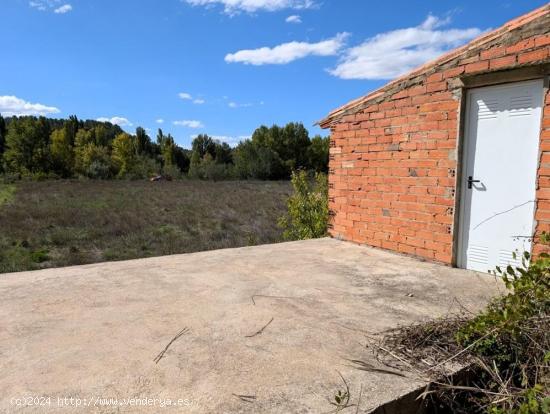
(83, 141)
(294, 141)
(91, 159)
(62, 151)
(160, 137)
(223, 153)
(318, 153)
(168, 151)
(2, 135)
(290, 143)
(183, 160)
(72, 125)
(143, 142)
(203, 145)
(124, 154)
(258, 162)
(2, 141)
(27, 142)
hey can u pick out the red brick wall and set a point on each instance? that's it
(542, 214)
(393, 162)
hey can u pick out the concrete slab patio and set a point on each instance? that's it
(92, 332)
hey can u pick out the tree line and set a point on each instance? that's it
(39, 147)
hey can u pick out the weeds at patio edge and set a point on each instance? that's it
(496, 362)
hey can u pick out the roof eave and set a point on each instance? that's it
(334, 115)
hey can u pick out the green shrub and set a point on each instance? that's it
(98, 170)
(511, 340)
(307, 216)
(7, 192)
(40, 256)
(18, 253)
(217, 172)
(530, 401)
(142, 167)
(172, 171)
(208, 169)
(504, 351)
(257, 162)
(94, 162)
(529, 296)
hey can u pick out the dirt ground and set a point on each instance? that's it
(268, 329)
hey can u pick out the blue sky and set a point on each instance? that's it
(221, 67)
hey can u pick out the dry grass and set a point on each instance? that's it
(425, 347)
(463, 381)
(60, 223)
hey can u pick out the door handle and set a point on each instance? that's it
(471, 181)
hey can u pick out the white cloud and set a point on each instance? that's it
(433, 22)
(63, 9)
(14, 106)
(188, 97)
(294, 19)
(231, 140)
(391, 54)
(160, 121)
(40, 5)
(116, 120)
(189, 124)
(185, 95)
(239, 105)
(232, 7)
(288, 52)
(51, 5)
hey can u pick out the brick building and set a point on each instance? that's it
(451, 162)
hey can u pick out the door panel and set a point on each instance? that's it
(502, 134)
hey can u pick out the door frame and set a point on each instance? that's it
(476, 82)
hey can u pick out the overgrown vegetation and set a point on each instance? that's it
(506, 347)
(511, 339)
(69, 222)
(41, 148)
(307, 216)
(7, 192)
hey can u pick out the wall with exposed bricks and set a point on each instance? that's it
(542, 214)
(393, 159)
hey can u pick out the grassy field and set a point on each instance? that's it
(62, 223)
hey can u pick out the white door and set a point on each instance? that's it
(502, 133)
